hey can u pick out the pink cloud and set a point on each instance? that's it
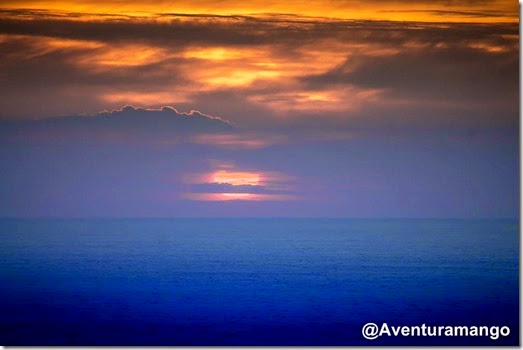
(243, 141)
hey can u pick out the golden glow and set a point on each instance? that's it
(236, 178)
(222, 67)
(235, 77)
(126, 55)
(328, 100)
(143, 98)
(488, 48)
(466, 11)
(41, 45)
(215, 53)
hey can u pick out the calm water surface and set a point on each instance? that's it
(253, 281)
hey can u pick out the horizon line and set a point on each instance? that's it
(256, 217)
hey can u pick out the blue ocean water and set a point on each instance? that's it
(254, 281)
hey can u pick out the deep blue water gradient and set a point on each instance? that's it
(254, 281)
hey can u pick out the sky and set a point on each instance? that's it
(332, 108)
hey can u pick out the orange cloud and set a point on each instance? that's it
(144, 98)
(427, 11)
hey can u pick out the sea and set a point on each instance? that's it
(263, 281)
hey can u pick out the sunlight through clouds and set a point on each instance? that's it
(230, 183)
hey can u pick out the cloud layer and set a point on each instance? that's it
(164, 126)
(261, 70)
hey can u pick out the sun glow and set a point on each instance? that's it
(236, 178)
(237, 195)
(227, 184)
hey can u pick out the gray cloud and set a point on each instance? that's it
(242, 30)
(468, 81)
(128, 124)
(229, 188)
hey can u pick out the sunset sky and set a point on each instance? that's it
(342, 108)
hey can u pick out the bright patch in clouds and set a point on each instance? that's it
(230, 184)
(236, 178)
